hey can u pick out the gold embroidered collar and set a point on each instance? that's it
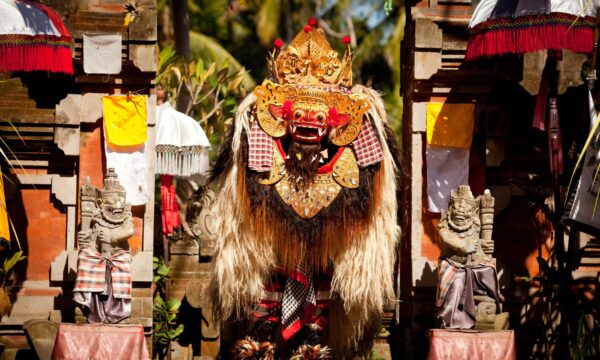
(342, 171)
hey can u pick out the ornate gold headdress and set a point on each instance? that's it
(310, 60)
(310, 74)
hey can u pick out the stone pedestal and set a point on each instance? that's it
(471, 344)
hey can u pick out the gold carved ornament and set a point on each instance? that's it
(310, 60)
(308, 201)
(309, 73)
(270, 93)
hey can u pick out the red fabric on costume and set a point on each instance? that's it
(307, 300)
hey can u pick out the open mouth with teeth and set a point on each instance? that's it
(307, 132)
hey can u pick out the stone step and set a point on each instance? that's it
(99, 17)
(17, 111)
(95, 27)
(11, 82)
(13, 86)
(15, 97)
(107, 8)
(7, 129)
(585, 274)
(17, 104)
(27, 116)
(26, 138)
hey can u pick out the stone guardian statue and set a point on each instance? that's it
(103, 285)
(468, 294)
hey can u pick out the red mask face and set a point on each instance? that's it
(308, 126)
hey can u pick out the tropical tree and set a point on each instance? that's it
(240, 32)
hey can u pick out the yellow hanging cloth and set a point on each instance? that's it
(125, 119)
(450, 125)
(4, 225)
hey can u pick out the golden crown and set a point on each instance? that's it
(309, 60)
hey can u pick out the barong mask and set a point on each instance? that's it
(313, 116)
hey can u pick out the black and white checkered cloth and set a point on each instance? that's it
(299, 302)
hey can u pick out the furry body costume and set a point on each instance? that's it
(307, 180)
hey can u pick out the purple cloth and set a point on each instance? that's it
(104, 307)
(456, 307)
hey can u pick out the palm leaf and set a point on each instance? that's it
(267, 21)
(588, 141)
(392, 51)
(598, 194)
(368, 48)
(12, 226)
(209, 50)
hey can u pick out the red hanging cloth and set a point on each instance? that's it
(170, 209)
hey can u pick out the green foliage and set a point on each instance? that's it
(5, 273)
(585, 345)
(165, 320)
(214, 89)
(164, 312)
(161, 274)
(375, 356)
(267, 21)
(242, 32)
(9, 264)
(206, 49)
(583, 330)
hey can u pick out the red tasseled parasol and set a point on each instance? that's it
(33, 38)
(520, 26)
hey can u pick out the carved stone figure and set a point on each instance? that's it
(468, 292)
(200, 217)
(103, 286)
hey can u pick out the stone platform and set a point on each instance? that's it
(471, 344)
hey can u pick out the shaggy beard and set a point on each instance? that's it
(303, 162)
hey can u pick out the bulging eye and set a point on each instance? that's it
(298, 114)
(321, 116)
